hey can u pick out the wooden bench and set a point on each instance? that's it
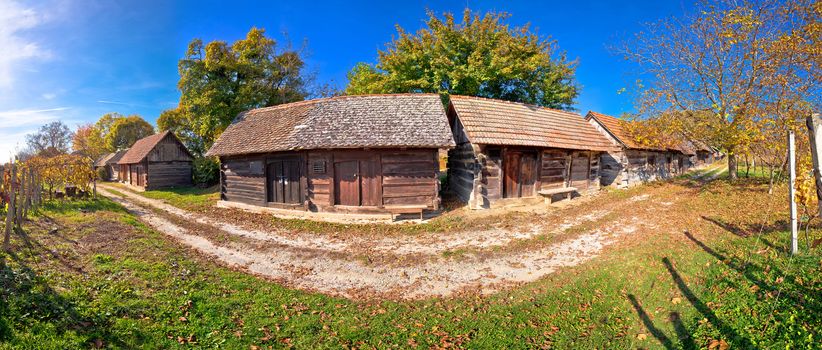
(549, 193)
(405, 209)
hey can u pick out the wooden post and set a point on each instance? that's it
(792, 191)
(24, 175)
(10, 211)
(814, 124)
(21, 198)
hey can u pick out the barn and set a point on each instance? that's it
(631, 163)
(156, 161)
(109, 162)
(514, 150)
(347, 154)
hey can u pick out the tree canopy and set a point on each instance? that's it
(481, 56)
(51, 139)
(731, 69)
(89, 142)
(218, 81)
(125, 131)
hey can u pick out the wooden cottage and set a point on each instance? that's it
(109, 162)
(156, 161)
(631, 163)
(354, 154)
(515, 150)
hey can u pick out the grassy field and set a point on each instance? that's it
(189, 198)
(87, 274)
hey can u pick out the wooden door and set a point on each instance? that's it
(528, 175)
(283, 177)
(346, 183)
(520, 170)
(369, 184)
(580, 170)
(511, 166)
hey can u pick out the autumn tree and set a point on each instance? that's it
(715, 67)
(218, 81)
(51, 139)
(125, 131)
(480, 56)
(89, 141)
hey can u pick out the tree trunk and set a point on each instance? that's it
(747, 166)
(770, 183)
(732, 166)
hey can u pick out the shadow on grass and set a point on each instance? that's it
(749, 230)
(727, 331)
(683, 335)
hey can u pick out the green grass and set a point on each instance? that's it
(135, 288)
(189, 198)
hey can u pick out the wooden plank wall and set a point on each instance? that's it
(240, 183)
(168, 150)
(554, 170)
(168, 174)
(320, 183)
(492, 175)
(462, 164)
(611, 168)
(410, 177)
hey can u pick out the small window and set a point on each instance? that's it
(255, 167)
(318, 167)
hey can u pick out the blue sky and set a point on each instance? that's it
(75, 60)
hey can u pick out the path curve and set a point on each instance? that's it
(315, 264)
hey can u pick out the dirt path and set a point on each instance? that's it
(409, 267)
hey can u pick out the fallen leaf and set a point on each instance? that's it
(641, 336)
(676, 300)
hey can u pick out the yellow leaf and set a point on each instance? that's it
(641, 336)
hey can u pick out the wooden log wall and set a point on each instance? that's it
(554, 170)
(462, 164)
(410, 177)
(492, 176)
(168, 174)
(320, 178)
(244, 179)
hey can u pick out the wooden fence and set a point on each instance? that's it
(24, 185)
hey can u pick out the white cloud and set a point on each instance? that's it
(48, 96)
(16, 124)
(14, 48)
(24, 117)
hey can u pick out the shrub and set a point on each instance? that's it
(206, 171)
(102, 173)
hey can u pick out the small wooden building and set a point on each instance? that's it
(515, 150)
(109, 162)
(156, 161)
(631, 163)
(355, 154)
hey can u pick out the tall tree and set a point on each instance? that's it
(715, 66)
(481, 56)
(51, 139)
(125, 131)
(89, 141)
(218, 81)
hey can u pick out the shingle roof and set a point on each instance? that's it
(497, 122)
(103, 160)
(616, 128)
(364, 121)
(117, 157)
(142, 148)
